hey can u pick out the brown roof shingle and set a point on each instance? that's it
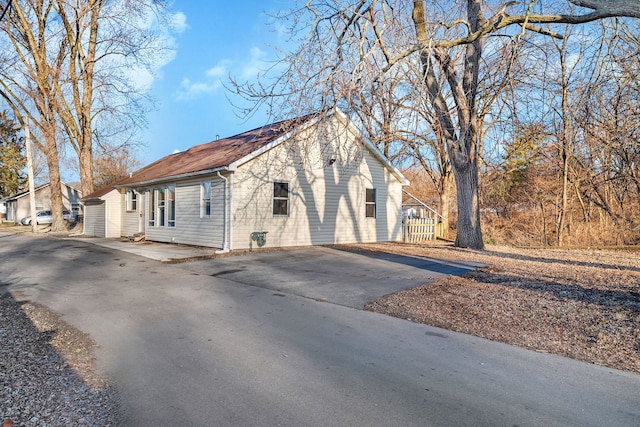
(212, 155)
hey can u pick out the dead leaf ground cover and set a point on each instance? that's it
(583, 304)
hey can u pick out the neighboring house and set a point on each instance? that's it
(306, 181)
(17, 207)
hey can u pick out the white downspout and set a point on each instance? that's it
(225, 243)
(231, 210)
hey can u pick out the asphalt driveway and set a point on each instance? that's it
(202, 344)
(339, 276)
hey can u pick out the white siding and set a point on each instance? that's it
(20, 207)
(94, 219)
(327, 200)
(114, 205)
(190, 229)
(131, 219)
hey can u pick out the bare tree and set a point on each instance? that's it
(391, 115)
(112, 164)
(98, 100)
(348, 44)
(28, 71)
(578, 108)
(610, 121)
(67, 64)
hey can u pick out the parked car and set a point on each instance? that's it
(44, 217)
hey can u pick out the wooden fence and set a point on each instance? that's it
(416, 230)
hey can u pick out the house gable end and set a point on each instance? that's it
(346, 121)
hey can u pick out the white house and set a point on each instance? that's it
(306, 181)
(18, 207)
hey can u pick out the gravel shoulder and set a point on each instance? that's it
(582, 304)
(47, 375)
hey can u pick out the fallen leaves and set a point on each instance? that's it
(583, 304)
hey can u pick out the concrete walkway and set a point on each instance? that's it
(165, 252)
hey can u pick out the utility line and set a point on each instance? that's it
(7, 7)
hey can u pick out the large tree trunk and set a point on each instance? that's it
(86, 169)
(446, 188)
(57, 219)
(462, 133)
(469, 232)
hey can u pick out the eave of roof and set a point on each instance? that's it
(38, 188)
(229, 153)
(205, 158)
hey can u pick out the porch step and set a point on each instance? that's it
(137, 237)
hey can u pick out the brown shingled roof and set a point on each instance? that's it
(210, 156)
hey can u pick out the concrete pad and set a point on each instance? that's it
(165, 252)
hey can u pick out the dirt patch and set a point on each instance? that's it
(583, 304)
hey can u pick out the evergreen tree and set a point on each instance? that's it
(12, 159)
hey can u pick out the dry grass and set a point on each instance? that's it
(583, 304)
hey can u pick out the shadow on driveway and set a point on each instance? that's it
(339, 276)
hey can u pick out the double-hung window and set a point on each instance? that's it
(171, 206)
(280, 199)
(152, 208)
(205, 199)
(370, 203)
(160, 207)
(131, 200)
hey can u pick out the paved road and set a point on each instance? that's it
(194, 348)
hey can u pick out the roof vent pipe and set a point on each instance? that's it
(217, 137)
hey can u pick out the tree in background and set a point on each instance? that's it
(344, 47)
(578, 183)
(112, 164)
(609, 120)
(70, 68)
(12, 160)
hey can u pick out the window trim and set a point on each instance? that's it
(161, 206)
(151, 208)
(277, 199)
(170, 205)
(205, 202)
(370, 203)
(131, 200)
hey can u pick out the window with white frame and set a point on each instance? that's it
(151, 208)
(370, 203)
(160, 207)
(131, 198)
(205, 199)
(171, 206)
(280, 198)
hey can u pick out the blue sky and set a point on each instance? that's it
(213, 39)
